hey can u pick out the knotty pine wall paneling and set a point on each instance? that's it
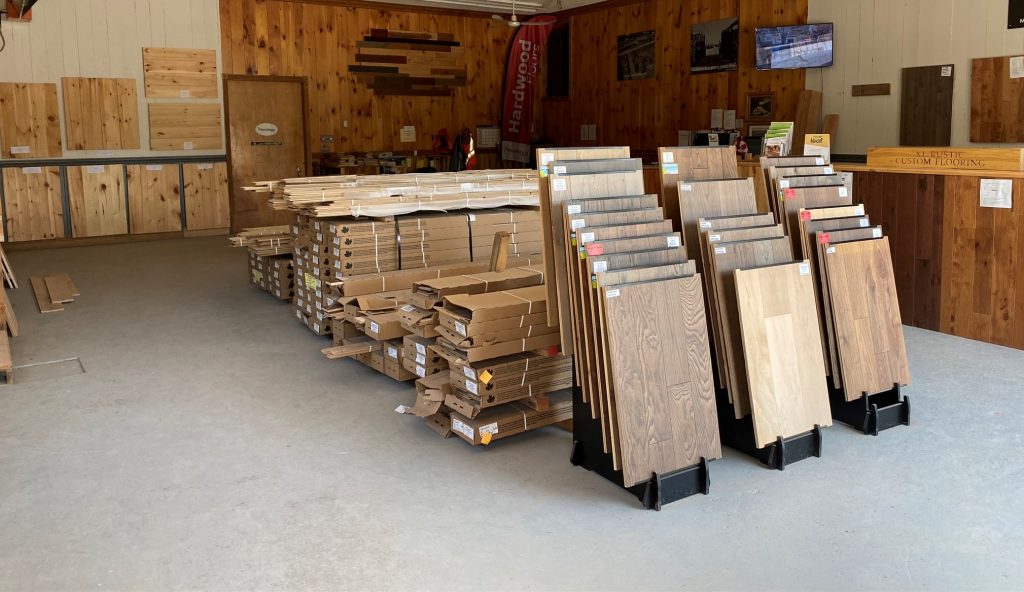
(206, 196)
(34, 209)
(97, 200)
(154, 201)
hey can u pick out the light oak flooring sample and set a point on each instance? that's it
(692, 163)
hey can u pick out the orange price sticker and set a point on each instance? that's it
(823, 238)
(789, 193)
(805, 216)
(595, 249)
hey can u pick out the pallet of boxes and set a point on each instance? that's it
(270, 259)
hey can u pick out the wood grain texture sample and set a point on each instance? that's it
(43, 300)
(409, 64)
(29, 121)
(781, 346)
(206, 196)
(796, 198)
(704, 199)
(767, 162)
(997, 113)
(807, 119)
(727, 258)
(926, 106)
(692, 163)
(882, 89)
(180, 73)
(662, 374)
(34, 207)
(869, 333)
(97, 198)
(101, 113)
(154, 204)
(185, 126)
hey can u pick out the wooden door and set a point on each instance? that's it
(278, 149)
(926, 106)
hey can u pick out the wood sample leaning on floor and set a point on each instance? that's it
(782, 348)
(692, 163)
(869, 331)
(52, 291)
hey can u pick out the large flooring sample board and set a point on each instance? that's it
(661, 366)
(727, 258)
(796, 198)
(767, 162)
(154, 204)
(692, 163)
(180, 73)
(97, 198)
(185, 126)
(29, 121)
(704, 199)
(551, 218)
(997, 115)
(34, 208)
(872, 353)
(926, 106)
(101, 113)
(781, 345)
(206, 196)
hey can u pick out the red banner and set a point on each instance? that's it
(521, 78)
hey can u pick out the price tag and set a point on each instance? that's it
(865, 223)
(876, 233)
(686, 187)
(420, 348)
(704, 224)
(586, 237)
(469, 372)
(819, 161)
(789, 193)
(668, 157)
(600, 266)
(547, 158)
(721, 251)
(184, 94)
(784, 184)
(595, 249)
(670, 169)
(95, 169)
(31, 170)
(672, 242)
(714, 238)
(613, 293)
(573, 210)
(20, 149)
(844, 192)
(830, 250)
(421, 371)
(188, 146)
(559, 170)
(859, 211)
(805, 216)
(460, 328)
(421, 359)
(805, 268)
(205, 166)
(558, 185)
(472, 387)
(823, 238)
(154, 167)
(577, 223)
(392, 352)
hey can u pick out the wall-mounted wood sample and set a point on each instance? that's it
(29, 121)
(154, 202)
(400, 63)
(178, 126)
(180, 73)
(997, 85)
(871, 90)
(96, 196)
(101, 113)
(926, 106)
(206, 196)
(34, 208)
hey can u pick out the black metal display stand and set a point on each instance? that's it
(738, 434)
(660, 489)
(871, 413)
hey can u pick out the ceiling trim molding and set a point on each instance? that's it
(394, 7)
(602, 5)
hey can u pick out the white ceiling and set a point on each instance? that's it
(523, 7)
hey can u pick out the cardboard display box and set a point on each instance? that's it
(510, 419)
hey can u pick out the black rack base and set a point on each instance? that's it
(660, 489)
(871, 413)
(738, 434)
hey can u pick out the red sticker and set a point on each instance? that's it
(553, 351)
(805, 216)
(595, 249)
(789, 193)
(824, 238)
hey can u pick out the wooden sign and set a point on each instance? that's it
(402, 63)
(872, 90)
(964, 159)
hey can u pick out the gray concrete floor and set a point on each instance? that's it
(210, 446)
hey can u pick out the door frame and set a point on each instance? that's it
(307, 150)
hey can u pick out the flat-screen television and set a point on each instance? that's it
(798, 46)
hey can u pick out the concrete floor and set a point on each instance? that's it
(210, 446)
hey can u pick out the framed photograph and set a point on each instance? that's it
(635, 56)
(757, 130)
(715, 46)
(760, 108)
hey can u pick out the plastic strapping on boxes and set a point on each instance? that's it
(529, 310)
(486, 283)
(523, 381)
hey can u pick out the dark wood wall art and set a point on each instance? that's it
(997, 85)
(409, 64)
(926, 106)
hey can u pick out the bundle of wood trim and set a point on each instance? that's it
(265, 241)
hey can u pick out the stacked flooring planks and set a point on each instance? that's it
(52, 292)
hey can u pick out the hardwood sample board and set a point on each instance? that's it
(736, 221)
(796, 198)
(206, 196)
(29, 120)
(666, 405)
(869, 332)
(101, 113)
(60, 288)
(767, 162)
(185, 126)
(97, 199)
(926, 106)
(34, 207)
(704, 199)
(393, 63)
(997, 115)
(180, 73)
(551, 218)
(807, 120)
(727, 258)
(153, 198)
(782, 348)
(692, 163)
(43, 299)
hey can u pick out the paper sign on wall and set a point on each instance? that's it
(1017, 67)
(997, 193)
(488, 136)
(717, 118)
(407, 134)
(729, 119)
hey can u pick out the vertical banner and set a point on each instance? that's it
(521, 79)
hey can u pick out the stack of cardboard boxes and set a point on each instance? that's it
(274, 275)
(523, 226)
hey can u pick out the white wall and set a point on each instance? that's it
(104, 38)
(876, 39)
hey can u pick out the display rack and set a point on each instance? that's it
(660, 489)
(871, 413)
(738, 434)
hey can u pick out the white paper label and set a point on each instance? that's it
(374, 327)
(459, 426)
(95, 169)
(154, 167)
(205, 166)
(586, 237)
(686, 187)
(547, 158)
(614, 293)
(316, 327)
(32, 170)
(408, 308)
(672, 241)
(876, 233)
(947, 71)
(996, 193)
(401, 409)
(187, 146)
(184, 94)
(784, 184)
(407, 134)
(830, 170)
(720, 251)
(705, 224)
(421, 359)
(714, 238)
(600, 266)
(577, 223)
(469, 372)
(559, 170)
(421, 371)
(472, 217)
(668, 157)
(460, 328)
(573, 210)
(1017, 67)
(819, 161)
(805, 268)
(558, 185)
(471, 387)
(859, 211)
(830, 250)
(420, 348)
(316, 260)
(491, 428)
(392, 352)
(20, 149)
(843, 192)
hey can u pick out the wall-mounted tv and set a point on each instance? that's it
(790, 48)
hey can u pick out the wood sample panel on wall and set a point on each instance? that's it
(154, 203)
(408, 64)
(180, 73)
(29, 121)
(926, 106)
(101, 113)
(997, 115)
(97, 199)
(206, 196)
(185, 126)
(34, 207)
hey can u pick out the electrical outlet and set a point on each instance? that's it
(344, 123)
(325, 139)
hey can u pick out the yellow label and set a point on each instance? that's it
(485, 377)
(310, 281)
(485, 438)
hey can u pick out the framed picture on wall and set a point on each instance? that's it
(635, 56)
(715, 46)
(760, 107)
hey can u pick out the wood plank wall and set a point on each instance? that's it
(273, 37)
(646, 114)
